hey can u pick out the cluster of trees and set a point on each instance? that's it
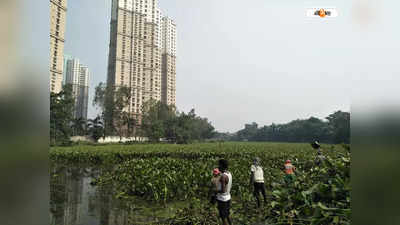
(163, 121)
(336, 129)
(157, 122)
(62, 123)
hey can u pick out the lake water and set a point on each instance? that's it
(75, 201)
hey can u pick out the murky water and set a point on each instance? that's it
(75, 201)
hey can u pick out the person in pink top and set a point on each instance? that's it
(214, 185)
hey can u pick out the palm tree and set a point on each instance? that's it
(96, 128)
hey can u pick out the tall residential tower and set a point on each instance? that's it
(137, 45)
(78, 76)
(58, 11)
(168, 62)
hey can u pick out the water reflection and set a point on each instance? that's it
(74, 201)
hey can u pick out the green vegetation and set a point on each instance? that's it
(159, 121)
(113, 101)
(163, 121)
(336, 129)
(61, 111)
(162, 173)
(95, 128)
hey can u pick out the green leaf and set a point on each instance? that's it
(336, 219)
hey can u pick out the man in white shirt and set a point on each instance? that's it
(224, 193)
(257, 180)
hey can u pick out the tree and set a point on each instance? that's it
(201, 128)
(131, 124)
(155, 116)
(61, 114)
(171, 129)
(103, 99)
(96, 128)
(164, 121)
(122, 97)
(340, 123)
(190, 127)
(249, 132)
(79, 126)
(114, 103)
(184, 133)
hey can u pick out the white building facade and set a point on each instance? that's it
(58, 13)
(168, 61)
(136, 47)
(78, 76)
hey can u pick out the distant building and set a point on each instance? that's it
(142, 52)
(78, 76)
(83, 96)
(58, 11)
(66, 58)
(168, 63)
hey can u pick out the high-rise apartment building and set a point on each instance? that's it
(168, 61)
(58, 11)
(78, 76)
(66, 58)
(136, 48)
(83, 99)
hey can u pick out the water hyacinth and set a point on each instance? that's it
(161, 173)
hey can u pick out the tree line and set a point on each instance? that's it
(335, 129)
(157, 121)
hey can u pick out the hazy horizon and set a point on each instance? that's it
(237, 63)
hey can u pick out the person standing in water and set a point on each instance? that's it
(214, 185)
(320, 157)
(257, 180)
(224, 192)
(289, 170)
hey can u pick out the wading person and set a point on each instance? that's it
(320, 157)
(214, 185)
(257, 180)
(223, 194)
(289, 170)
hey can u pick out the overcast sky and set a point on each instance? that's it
(258, 60)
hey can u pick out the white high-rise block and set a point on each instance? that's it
(169, 36)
